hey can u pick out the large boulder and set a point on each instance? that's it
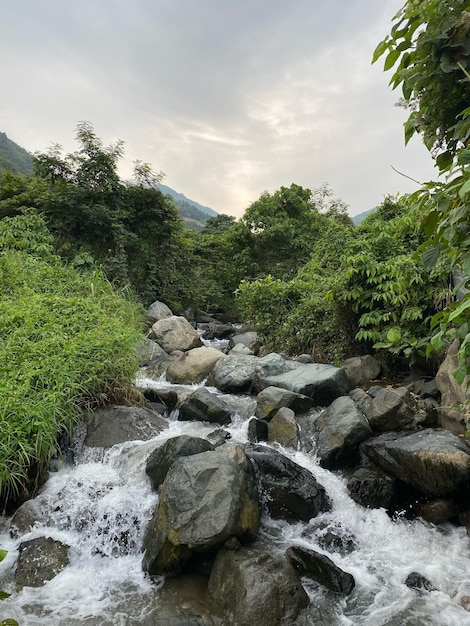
(390, 409)
(148, 351)
(117, 424)
(235, 373)
(40, 560)
(435, 462)
(323, 383)
(193, 366)
(163, 457)
(283, 429)
(453, 395)
(320, 568)
(204, 500)
(361, 369)
(175, 333)
(204, 406)
(289, 491)
(372, 488)
(340, 429)
(271, 399)
(158, 311)
(256, 586)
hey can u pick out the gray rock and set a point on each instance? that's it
(255, 586)
(271, 399)
(257, 430)
(437, 511)
(204, 406)
(304, 358)
(283, 428)
(149, 351)
(320, 568)
(158, 311)
(419, 582)
(249, 339)
(39, 560)
(372, 488)
(341, 428)
(193, 366)
(234, 374)
(361, 398)
(361, 369)
(116, 424)
(163, 457)
(204, 500)
(239, 348)
(435, 462)
(452, 394)
(390, 409)
(323, 383)
(289, 491)
(175, 333)
(28, 514)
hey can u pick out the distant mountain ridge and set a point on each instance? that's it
(357, 219)
(13, 158)
(182, 198)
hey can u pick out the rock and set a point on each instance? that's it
(239, 348)
(283, 428)
(360, 398)
(257, 430)
(39, 560)
(419, 582)
(331, 536)
(320, 568)
(216, 330)
(256, 586)
(341, 428)
(304, 358)
(28, 514)
(158, 311)
(193, 366)
(452, 394)
(360, 370)
(248, 339)
(234, 374)
(163, 457)
(175, 333)
(430, 390)
(437, 511)
(271, 399)
(204, 500)
(204, 406)
(289, 491)
(433, 461)
(116, 424)
(323, 383)
(390, 409)
(149, 351)
(372, 488)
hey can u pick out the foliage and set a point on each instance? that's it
(13, 158)
(67, 341)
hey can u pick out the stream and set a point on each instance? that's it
(100, 507)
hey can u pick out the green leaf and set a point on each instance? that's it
(444, 160)
(3, 554)
(463, 157)
(394, 335)
(460, 372)
(430, 256)
(4, 595)
(381, 48)
(391, 59)
(9, 622)
(464, 189)
(460, 309)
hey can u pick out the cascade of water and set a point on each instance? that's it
(101, 505)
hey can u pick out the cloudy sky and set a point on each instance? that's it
(228, 97)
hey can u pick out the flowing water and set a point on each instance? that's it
(101, 504)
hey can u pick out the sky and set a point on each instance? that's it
(229, 98)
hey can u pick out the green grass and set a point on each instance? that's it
(67, 341)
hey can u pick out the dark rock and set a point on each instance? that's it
(304, 358)
(320, 568)
(149, 351)
(331, 537)
(289, 491)
(419, 582)
(271, 399)
(217, 330)
(204, 500)
(430, 390)
(116, 424)
(390, 409)
(204, 406)
(28, 514)
(163, 457)
(341, 428)
(39, 560)
(255, 586)
(257, 430)
(437, 511)
(361, 369)
(360, 398)
(372, 488)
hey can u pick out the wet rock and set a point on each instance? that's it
(39, 560)
(361, 370)
(331, 536)
(289, 491)
(283, 429)
(452, 394)
(419, 582)
(216, 330)
(271, 399)
(163, 457)
(320, 568)
(249, 339)
(28, 514)
(116, 424)
(340, 429)
(390, 409)
(193, 366)
(175, 333)
(433, 461)
(158, 311)
(204, 500)
(437, 511)
(257, 430)
(372, 488)
(204, 406)
(255, 586)
(234, 374)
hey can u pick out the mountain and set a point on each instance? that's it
(182, 198)
(357, 219)
(194, 215)
(14, 158)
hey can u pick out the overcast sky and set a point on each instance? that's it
(228, 97)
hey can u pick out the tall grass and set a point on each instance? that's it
(67, 341)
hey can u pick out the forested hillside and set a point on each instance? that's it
(14, 158)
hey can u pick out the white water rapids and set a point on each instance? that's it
(100, 507)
